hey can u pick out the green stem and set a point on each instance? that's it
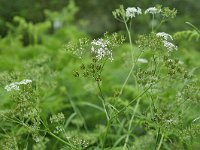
(15, 143)
(129, 37)
(140, 95)
(111, 118)
(103, 101)
(126, 80)
(77, 111)
(160, 143)
(134, 62)
(55, 136)
(131, 44)
(59, 139)
(130, 124)
(193, 27)
(106, 133)
(129, 74)
(160, 25)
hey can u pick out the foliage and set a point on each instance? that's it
(62, 89)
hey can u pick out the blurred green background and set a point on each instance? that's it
(95, 16)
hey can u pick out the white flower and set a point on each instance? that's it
(132, 11)
(152, 10)
(15, 85)
(100, 49)
(169, 46)
(164, 35)
(142, 60)
(12, 86)
(25, 81)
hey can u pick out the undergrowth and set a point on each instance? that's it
(105, 93)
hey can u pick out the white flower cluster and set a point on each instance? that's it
(165, 37)
(101, 50)
(59, 118)
(15, 85)
(152, 10)
(132, 11)
(58, 129)
(170, 46)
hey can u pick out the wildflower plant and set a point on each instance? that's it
(99, 51)
(58, 121)
(160, 118)
(153, 99)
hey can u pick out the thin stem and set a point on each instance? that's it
(55, 136)
(133, 61)
(126, 80)
(100, 91)
(103, 101)
(77, 111)
(140, 95)
(129, 74)
(155, 65)
(130, 24)
(160, 25)
(15, 143)
(131, 44)
(160, 143)
(111, 118)
(101, 96)
(107, 115)
(59, 139)
(129, 37)
(130, 124)
(106, 133)
(193, 27)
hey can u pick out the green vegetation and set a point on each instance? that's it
(138, 88)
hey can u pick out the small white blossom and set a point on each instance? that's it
(152, 10)
(169, 46)
(164, 35)
(25, 81)
(57, 118)
(15, 85)
(12, 86)
(132, 11)
(58, 129)
(100, 49)
(142, 60)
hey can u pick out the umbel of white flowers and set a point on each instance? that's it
(165, 37)
(132, 11)
(170, 46)
(15, 85)
(101, 50)
(152, 10)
